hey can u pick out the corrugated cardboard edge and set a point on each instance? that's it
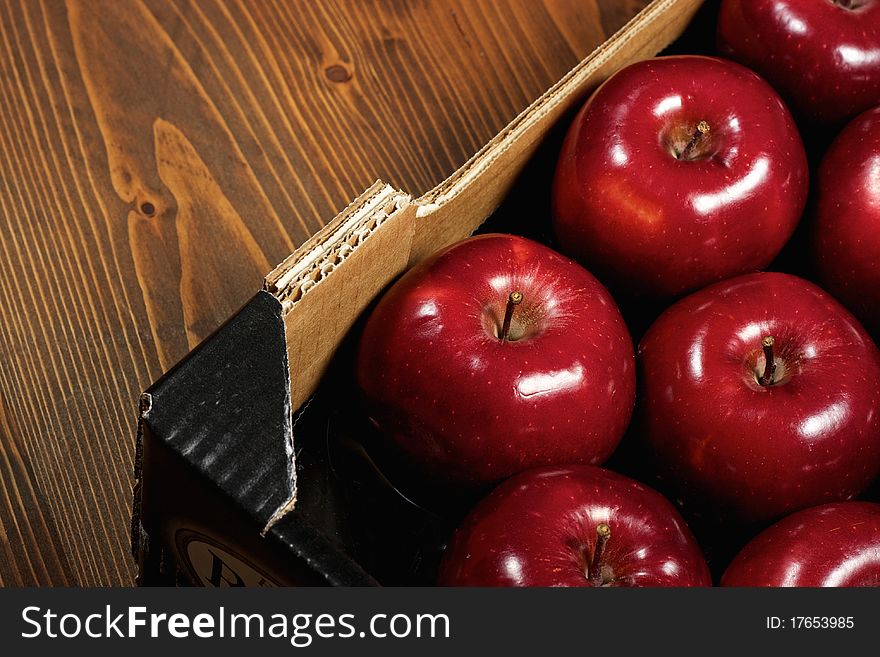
(307, 289)
(138, 537)
(321, 305)
(317, 257)
(384, 231)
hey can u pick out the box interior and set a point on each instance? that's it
(396, 527)
(399, 525)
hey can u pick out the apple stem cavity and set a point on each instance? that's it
(603, 533)
(513, 301)
(702, 130)
(766, 377)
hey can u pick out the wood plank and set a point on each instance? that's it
(31, 552)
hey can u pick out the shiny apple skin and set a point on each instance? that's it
(468, 409)
(833, 545)
(754, 453)
(847, 228)
(539, 529)
(650, 224)
(823, 58)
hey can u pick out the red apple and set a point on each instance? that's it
(573, 526)
(829, 545)
(758, 442)
(679, 172)
(823, 55)
(468, 408)
(848, 218)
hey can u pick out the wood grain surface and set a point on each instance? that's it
(158, 157)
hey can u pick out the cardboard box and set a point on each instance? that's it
(250, 467)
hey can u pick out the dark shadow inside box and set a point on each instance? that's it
(399, 526)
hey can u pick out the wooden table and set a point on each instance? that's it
(158, 157)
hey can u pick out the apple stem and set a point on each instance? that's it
(701, 131)
(603, 533)
(513, 301)
(769, 361)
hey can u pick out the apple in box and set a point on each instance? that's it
(679, 172)
(847, 229)
(573, 526)
(495, 355)
(759, 397)
(830, 545)
(822, 55)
